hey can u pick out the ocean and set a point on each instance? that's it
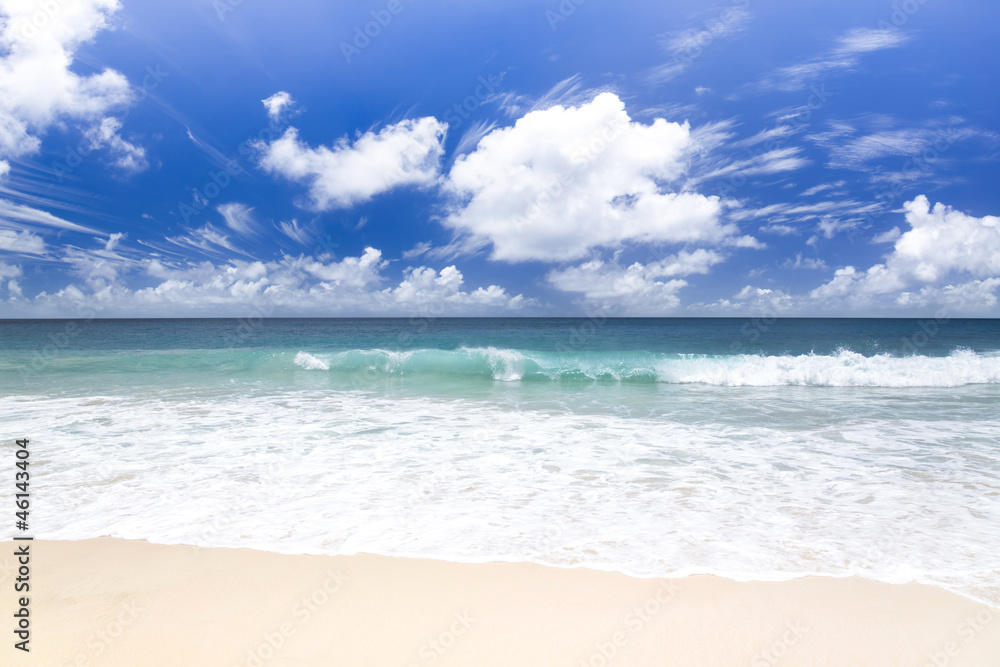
(756, 449)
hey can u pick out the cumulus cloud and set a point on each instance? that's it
(126, 156)
(751, 300)
(22, 243)
(636, 289)
(941, 243)
(37, 85)
(290, 286)
(946, 262)
(407, 153)
(277, 103)
(9, 272)
(565, 180)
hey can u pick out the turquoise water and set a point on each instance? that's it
(756, 449)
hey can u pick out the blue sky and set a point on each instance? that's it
(422, 158)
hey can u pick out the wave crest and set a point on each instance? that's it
(844, 369)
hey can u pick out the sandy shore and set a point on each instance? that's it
(112, 602)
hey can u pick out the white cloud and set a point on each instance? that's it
(126, 156)
(970, 297)
(773, 161)
(4, 168)
(37, 85)
(941, 244)
(473, 135)
(239, 218)
(850, 150)
(23, 242)
(776, 132)
(9, 270)
(16, 216)
(113, 241)
(947, 262)
(863, 40)
(568, 92)
(822, 187)
(292, 230)
(407, 153)
(888, 236)
(636, 289)
(750, 301)
(277, 103)
(686, 46)
(801, 262)
(565, 180)
(829, 216)
(206, 239)
(291, 286)
(843, 57)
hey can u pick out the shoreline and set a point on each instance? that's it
(108, 601)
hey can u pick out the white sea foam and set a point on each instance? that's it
(846, 369)
(309, 362)
(889, 487)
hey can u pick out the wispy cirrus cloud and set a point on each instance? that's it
(855, 144)
(17, 215)
(239, 218)
(684, 47)
(844, 56)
